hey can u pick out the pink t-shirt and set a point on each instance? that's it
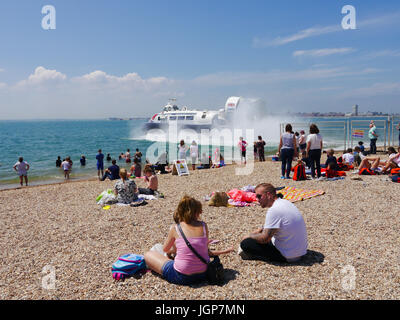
(242, 145)
(186, 261)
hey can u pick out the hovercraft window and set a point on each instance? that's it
(190, 118)
(181, 118)
(172, 118)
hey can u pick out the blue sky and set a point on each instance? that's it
(126, 58)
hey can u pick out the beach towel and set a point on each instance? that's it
(242, 196)
(233, 203)
(295, 194)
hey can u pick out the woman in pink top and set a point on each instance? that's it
(186, 268)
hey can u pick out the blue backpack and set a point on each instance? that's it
(127, 265)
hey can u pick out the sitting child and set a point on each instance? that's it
(348, 157)
(151, 180)
(221, 162)
(331, 171)
(358, 156)
(361, 146)
(331, 159)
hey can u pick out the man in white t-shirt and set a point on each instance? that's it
(283, 238)
(22, 167)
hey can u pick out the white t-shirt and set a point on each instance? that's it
(395, 158)
(182, 151)
(21, 168)
(315, 139)
(194, 150)
(291, 237)
(348, 158)
(66, 165)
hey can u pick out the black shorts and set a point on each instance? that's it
(244, 154)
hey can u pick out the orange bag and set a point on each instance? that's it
(395, 171)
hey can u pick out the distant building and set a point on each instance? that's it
(355, 110)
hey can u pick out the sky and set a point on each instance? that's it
(126, 58)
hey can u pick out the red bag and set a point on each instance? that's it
(395, 171)
(299, 173)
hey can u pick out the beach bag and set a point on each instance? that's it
(127, 265)
(299, 173)
(366, 172)
(396, 179)
(395, 171)
(106, 197)
(215, 269)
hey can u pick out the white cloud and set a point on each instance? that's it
(241, 78)
(322, 52)
(100, 80)
(303, 34)
(388, 19)
(43, 76)
(383, 53)
(132, 78)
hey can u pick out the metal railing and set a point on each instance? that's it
(386, 129)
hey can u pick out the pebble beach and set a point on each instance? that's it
(353, 237)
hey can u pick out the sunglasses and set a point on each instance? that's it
(259, 196)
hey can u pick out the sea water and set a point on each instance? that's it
(39, 142)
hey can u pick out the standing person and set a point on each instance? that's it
(302, 143)
(58, 162)
(297, 136)
(100, 164)
(138, 155)
(260, 149)
(182, 148)
(398, 128)
(283, 238)
(83, 160)
(287, 150)
(194, 154)
(255, 150)
(242, 147)
(372, 135)
(66, 165)
(180, 265)
(314, 150)
(136, 169)
(112, 172)
(22, 167)
(128, 156)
